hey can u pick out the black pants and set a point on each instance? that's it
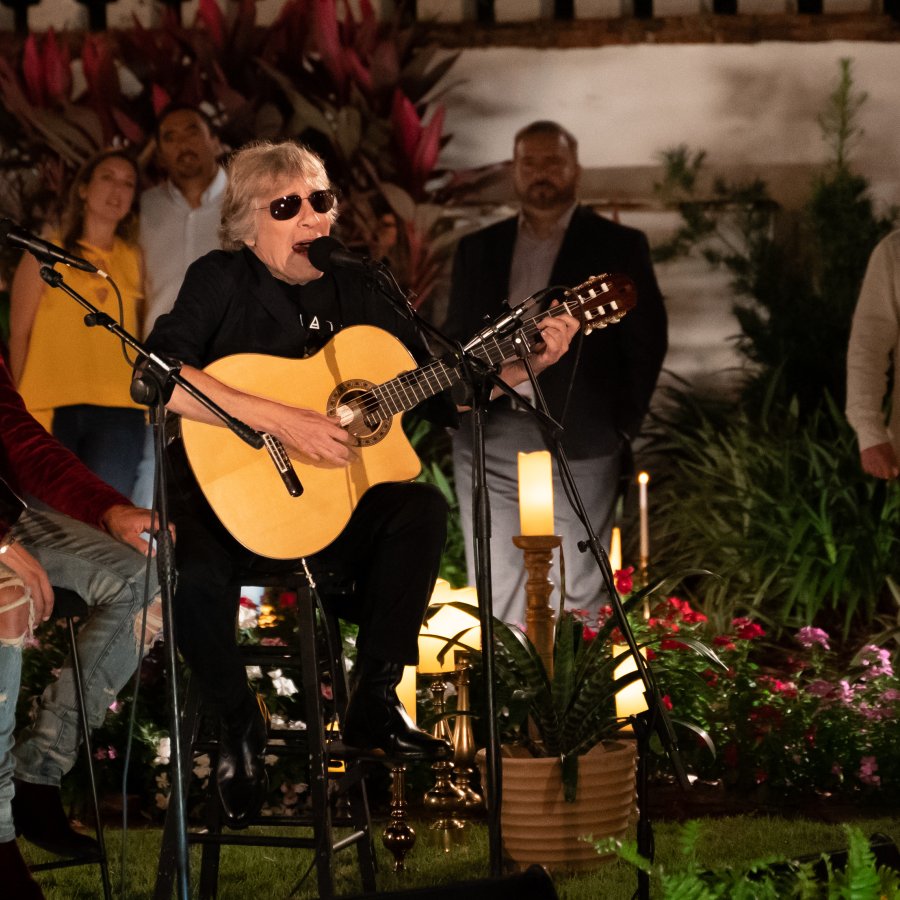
(378, 573)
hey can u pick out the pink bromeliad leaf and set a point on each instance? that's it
(57, 69)
(210, 16)
(33, 71)
(405, 122)
(328, 41)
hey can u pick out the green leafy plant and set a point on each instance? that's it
(566, 713)
(778, 507)
(861, 878)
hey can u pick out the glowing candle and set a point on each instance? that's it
(615, 549)
(643, 479)
(406, 691)
(536, 493)
(630, 700)
(446, 623)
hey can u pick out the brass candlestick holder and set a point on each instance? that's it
(539, 617)
(444, 799)
(398, 836)
(464, 739)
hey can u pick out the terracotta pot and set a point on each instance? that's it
(537, 824)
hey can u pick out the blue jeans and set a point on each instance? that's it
(108, 440)
(110, 577)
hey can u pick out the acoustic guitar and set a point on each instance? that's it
(366, 377)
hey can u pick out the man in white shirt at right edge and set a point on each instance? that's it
(179, 223)
(872, 355)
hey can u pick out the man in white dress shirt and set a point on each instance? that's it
(179, 223)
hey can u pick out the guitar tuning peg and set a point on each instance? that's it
(587, 329)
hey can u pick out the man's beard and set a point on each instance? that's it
(544, 195)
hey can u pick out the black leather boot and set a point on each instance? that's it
(17, 880)
(39, 817)
(376, 720)
(241, 777)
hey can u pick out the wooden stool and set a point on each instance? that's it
(323, 817)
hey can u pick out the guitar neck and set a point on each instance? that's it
(406, 391)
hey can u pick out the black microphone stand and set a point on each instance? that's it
(655, 720)
(158, 381)
(480, 379)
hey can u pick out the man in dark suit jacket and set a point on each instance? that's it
(600, 391)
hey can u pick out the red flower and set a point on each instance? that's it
(588, 634)
(723, 641)
(730, 755)
(747, 630)
(287, 600)
(651, 654)
(624, 580)
(669, 644)
(760, 776)
(712, 678)
(247, 603)
(666, 702)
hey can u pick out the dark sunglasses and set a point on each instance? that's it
(283, 208)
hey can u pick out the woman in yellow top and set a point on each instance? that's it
(75, 379)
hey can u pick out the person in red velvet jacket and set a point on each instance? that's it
(94, 542)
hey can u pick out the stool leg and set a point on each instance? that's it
(315, 730)
(89, 754)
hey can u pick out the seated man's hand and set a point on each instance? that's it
(34, 578)
(130, 524)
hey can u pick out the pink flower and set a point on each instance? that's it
(273, 642)
(891, 695)
(876, 661)
(868, 766)
(820, 688)
(812, 637)
(845, 691)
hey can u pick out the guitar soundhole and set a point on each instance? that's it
(358, 411)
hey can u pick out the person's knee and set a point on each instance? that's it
(15, 615)
(147, 629)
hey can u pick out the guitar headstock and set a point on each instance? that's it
(601, 300)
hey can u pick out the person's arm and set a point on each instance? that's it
(25, 295)
(306, 434)
(873, 338)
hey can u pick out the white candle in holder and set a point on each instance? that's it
(536, 493)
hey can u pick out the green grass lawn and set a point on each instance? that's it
(271, 873)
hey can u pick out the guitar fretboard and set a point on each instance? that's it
(406, 391)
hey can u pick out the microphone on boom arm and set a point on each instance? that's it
(47, 253)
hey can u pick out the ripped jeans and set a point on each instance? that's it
(110, 577)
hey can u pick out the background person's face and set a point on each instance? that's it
(186, 148)
(110, 192)
(545, 172)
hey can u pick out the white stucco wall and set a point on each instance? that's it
(751, 107)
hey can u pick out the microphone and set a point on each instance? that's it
(43, 250)
(507, 322)
(328, 253)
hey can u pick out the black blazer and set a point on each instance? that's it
(618, 366)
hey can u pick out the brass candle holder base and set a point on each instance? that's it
(539, 617)
(398, 836)
(464, 740)
(444, 799)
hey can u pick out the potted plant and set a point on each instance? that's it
(568, 759)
